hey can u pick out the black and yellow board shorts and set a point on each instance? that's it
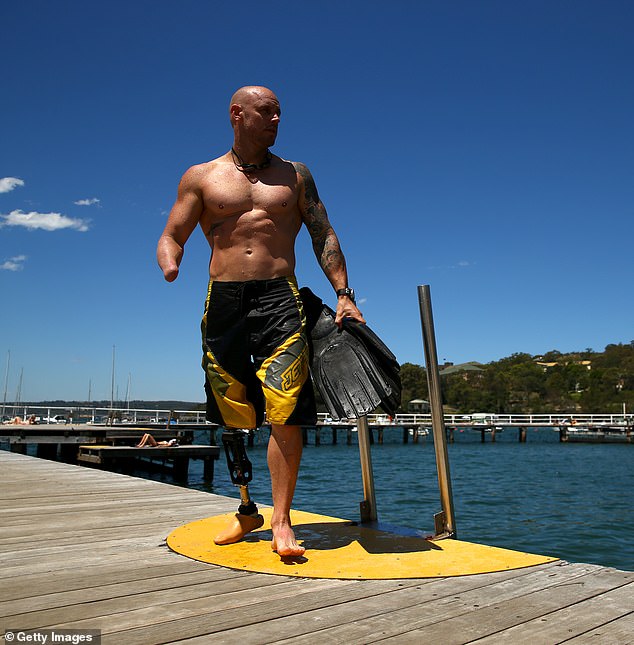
(255, 354)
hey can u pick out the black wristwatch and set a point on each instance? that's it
(346, 292)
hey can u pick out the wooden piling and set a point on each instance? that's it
(46, 450)
(68, 453)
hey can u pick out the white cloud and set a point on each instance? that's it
(7, 184)
(44, 221)
(462, 264)
(13, 264)
(87, 202)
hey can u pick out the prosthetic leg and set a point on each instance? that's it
(247, 518)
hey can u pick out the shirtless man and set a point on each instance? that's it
(250, 205)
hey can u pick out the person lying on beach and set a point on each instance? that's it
(148, 440)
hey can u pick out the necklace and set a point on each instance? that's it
(250, 167)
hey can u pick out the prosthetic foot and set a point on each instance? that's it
(247, 518)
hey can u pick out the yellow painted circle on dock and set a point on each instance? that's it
(337, 548)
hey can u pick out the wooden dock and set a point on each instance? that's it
(19, 436)
(111, 447)
(175, 458)
(85, 549)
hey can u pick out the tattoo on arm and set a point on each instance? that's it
(325, 242)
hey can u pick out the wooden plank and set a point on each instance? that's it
(51, 566)
(360, 620)
(102, 599)
(85, 522)
(48, 439)
(125, 495)
(198, 604)
(124, 508)
(204, 612)
(616, 631)
(128, 515)
(118, 490)
(215, 615)
(175, 457)
(87, 501)
(149, 452)
(516, 610)
(434, 624)
(95, 575)
(442, 599)
(576, 620)
(63, 523)
(110, 500)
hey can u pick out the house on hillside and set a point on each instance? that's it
(467, 370)
(418, 406)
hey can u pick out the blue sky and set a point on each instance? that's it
(483, 148)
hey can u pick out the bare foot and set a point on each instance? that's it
(238, 527)
(284, 542)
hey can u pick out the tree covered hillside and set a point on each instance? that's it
(582, 382)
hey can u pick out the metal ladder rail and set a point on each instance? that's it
(445, 521)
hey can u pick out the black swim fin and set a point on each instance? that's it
(351, 367)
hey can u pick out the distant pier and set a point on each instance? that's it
(62, 438)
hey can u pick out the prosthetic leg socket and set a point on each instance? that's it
(247, 518)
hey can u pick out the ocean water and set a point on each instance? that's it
(572, 501)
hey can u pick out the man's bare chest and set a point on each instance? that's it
(229, 196)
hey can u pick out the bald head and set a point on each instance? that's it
(250, 92)
(248, 96)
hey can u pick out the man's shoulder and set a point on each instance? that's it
(210, 166)
(300, 168)
(200, 171)
(295, 164)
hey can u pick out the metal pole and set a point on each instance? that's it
(445, 522)
(112, 382)
(6, 383)
(368, 505)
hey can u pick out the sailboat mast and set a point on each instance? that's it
(6, 382)
(112, 383)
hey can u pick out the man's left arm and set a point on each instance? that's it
(325, 242)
